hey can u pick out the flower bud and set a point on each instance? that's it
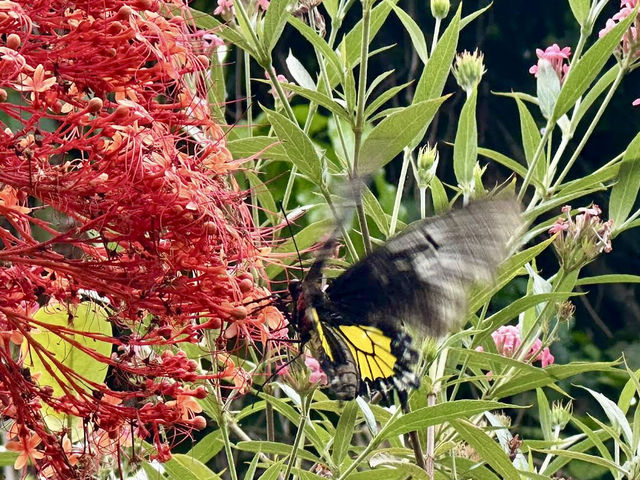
(440, 8)
(469, 69)
(561, 414)
(426, 165)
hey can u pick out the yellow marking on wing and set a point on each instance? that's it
(321, 335)
(371, 349)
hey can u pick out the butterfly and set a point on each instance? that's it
(421, 278)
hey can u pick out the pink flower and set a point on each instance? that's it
(224, 7)
(263, 4)
(508, 341)
(317, 375)
(556, 56)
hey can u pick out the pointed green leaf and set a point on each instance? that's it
(611, 278)
(530, 140)
(414, 31)
(184, 467)
(487, 448)
(299, 73)
(383, 98)
(334, 66)
(374, 210)
(344, 432)
(391, 135)
(585, 70)
(594, 92)
(502, 159)
(275, 18)
(81, 320)
(548, 376)
(438, 414)
(319, 98)
(259, 147)
(625, 191)
(544, 413)
(297, 145)
(580, 10)
(436, 71)
(465, 148)
(472, 16)
(264, 197)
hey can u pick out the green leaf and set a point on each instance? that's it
(392, 134)
(297, 145)
(67, 333)
(435, 73)
(472, 16)
(530, 140)
(502, 159)
(258, 147)
(611, 278)
(319, 98)
(210, 23)
(585, 70)
(625, 191)
(544, 412)
(344, 432)
(414, 31)
(595, 179)
(585, 458)
(438, 414)
(548, 376)
(508, 270)
(352, 41)
(334, 66)
(512, 310)
(251, 470)
(299, 73)
(383, 98)
(617, 418)
(374, 210)
(276, 448)
(272, 472)
(264, 197)
(275, 18)
(305, 238)
(594, 92)
(487, 448)
(184, 467)
(216, 89)
(7, 459)
(208, 447)
(438, 196)
(547, 87)
(465, 149)
(580, 9)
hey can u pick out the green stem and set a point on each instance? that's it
(592, 126)
(358, 128)
(345, 235)
(373, 444)
(423, 202)
(406, 159)
(436, 34)
(536, 158)
(306, 403)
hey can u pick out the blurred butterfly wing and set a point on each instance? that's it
(423, 275)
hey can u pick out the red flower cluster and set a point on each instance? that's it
(113, 183)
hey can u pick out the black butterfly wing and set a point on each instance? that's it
(423, 275)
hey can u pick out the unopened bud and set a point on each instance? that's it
(561, 414)
(469, 69)
(426, 165)
(440, 8)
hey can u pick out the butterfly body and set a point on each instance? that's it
(421, 278)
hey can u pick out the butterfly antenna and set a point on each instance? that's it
(293, 238)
